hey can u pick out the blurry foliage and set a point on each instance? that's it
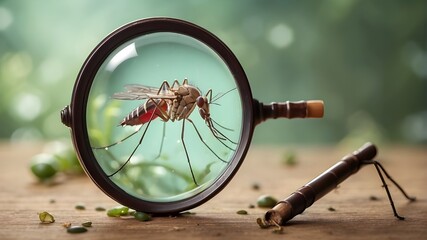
(366, 59)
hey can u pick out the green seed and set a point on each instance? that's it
(43, 166)
(80, 206)
(46, 217)
(331, 209)
(266, 201)
(99, 209)
(255, 186)
(118, 211)
(373, 198)
(76, 229)
(67, 161)
(289, 159)
(242, 212)
(87, 224)
(188, 213)
(131, 212)
(142, 216)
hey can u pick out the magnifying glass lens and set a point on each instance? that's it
(158, 139)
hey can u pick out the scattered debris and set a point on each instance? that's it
(373, 198)
(266, 201)
(242, 212)
(80, 206)
(76, 229)
(46, 217)
(87, 224)
(142, 216)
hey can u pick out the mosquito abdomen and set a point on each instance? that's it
(143, 114)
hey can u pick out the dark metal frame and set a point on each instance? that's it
(74, 115)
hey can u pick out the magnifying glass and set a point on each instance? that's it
(162, 115)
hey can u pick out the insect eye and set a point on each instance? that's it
(200, 101)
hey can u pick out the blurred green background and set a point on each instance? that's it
(366, 59)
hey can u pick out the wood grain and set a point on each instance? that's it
(355, 215)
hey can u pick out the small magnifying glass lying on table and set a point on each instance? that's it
(162, 115)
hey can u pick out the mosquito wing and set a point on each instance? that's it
(139, 92)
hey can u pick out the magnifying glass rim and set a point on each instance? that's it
(82, 88)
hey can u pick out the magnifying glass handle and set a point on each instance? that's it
(288, 109)
(304, 197)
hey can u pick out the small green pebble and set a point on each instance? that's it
(331, 209)
(142, 216)
(118, 211)
(80, 207)
(251, 206)
(289, 159)
(46, 217)
(67, 161)
(188, 213)
(99, 209)
(266, 201)
(373, 198)
(87, 224)
(242, 212)
(43, 166)
(256, 186)
(76, 229)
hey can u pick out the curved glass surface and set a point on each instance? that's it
(181, 151)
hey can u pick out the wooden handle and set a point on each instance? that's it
(305, 196)
(300, 109)
(315, 109)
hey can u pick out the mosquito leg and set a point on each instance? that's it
(186, 153)
(164, 87)
(395, 183)
(120, 141)
(203, 141)
(136, 147)
(175, 84)
(163, 139)
(376, 164)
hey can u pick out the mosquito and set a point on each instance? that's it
(174, 102)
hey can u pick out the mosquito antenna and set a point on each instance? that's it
(219, 95)
(226, 128)
(217, 104)
(220, 133)
(122, 140)
(380, 168)
(223, 143)
(220, 137)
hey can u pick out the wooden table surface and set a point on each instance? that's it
(355, 215)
